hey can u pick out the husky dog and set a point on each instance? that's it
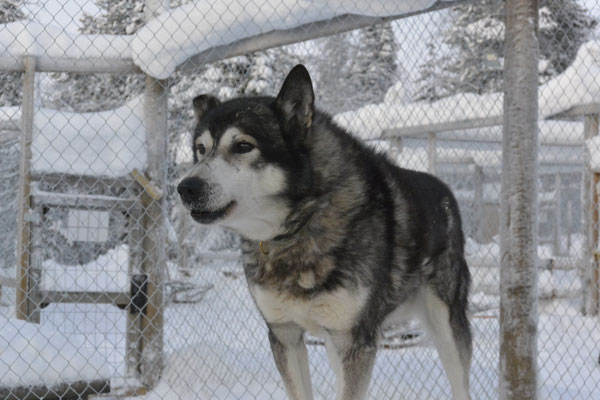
(336, 239)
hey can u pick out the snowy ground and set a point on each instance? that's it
(222, 352)
(32, 354)
(218, 349)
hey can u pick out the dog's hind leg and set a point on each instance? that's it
(352, 364)
(451, 334)
(291, 359)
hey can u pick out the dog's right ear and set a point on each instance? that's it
(296, 102)
(203, 104)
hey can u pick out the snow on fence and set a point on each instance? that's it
(108, 289)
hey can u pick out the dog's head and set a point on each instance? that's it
(251, 159)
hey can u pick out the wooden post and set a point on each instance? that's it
(25, 306)
(155, 239)
(431, 152)
(590, 212)
(557, 231)
(478, 198)
(594, 280)
(518, 372)
(133, 328)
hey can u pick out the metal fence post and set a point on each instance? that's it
(518, 275)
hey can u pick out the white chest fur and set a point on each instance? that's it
(334, 310)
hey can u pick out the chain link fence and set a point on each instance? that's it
(108, 289)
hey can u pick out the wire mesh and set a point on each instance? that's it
(120, 294)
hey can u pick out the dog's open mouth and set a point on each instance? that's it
(208, 217)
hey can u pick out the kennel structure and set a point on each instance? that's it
(124, 216)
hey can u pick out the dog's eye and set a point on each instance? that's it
(242, 147)
(200, 149)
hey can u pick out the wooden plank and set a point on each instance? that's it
(50, 296)
(543, 264)
(24, 307)
(89, 180)
(95, 202)
(452, 136)
(147, 185)
(424, 130)
(62, 391)
(124, 65)
(577, 111)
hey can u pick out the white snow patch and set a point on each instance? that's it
(593, 147)
(106, 143)
(107, 273)
(576, 85)
(173, 37)
(32, 354)
(49, 43)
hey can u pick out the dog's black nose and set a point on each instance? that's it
(192, 190)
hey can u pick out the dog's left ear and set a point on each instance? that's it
(296, 102)
(204, 103)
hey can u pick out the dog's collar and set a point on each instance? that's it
(262, 249)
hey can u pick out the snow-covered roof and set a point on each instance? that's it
(171, 38)
(51, 43)
(107, 143)
(578, 84)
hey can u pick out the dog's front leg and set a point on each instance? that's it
(352, 363)
(291, 358)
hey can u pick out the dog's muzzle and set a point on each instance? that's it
(194, 194)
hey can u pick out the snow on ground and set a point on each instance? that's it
(49, 43)
(219, 349)
(106, 143)
(32, 354)
(195, 27)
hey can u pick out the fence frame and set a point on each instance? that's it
(156, 101)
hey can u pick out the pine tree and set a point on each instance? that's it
(11, 82)
(94, 92)
(332, 73)
(431, 84)
(356, 68)
(476, 40)
(375, 69)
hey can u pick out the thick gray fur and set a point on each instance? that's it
(362, 243)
